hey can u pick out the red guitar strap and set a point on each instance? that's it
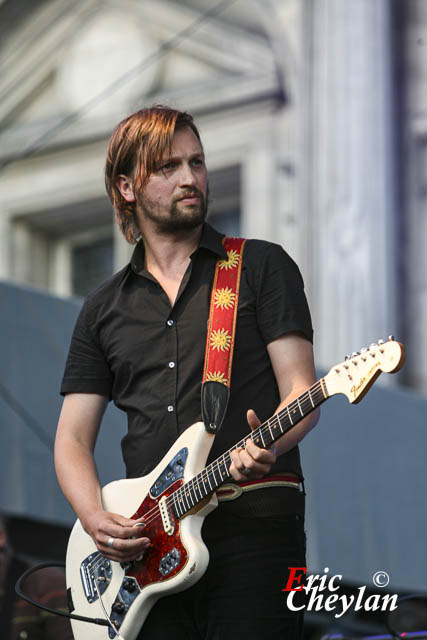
(221, 334)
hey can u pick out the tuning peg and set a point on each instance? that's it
(354, 354)
(363, 349)
(381, 341)
(347, 357)
(373, 345)
(391, 337)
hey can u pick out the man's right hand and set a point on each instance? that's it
(126, 536)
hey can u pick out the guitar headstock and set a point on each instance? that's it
(357, 373)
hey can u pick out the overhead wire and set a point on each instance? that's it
(36, 33)
(40, 142)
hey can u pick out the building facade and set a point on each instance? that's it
(312, 114)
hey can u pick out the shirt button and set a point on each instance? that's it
(170, 408)
(171, 365)
(169, 323)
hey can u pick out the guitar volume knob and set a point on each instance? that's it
(118, 607)
(129, 585)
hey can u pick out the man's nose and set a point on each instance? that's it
(186, 174)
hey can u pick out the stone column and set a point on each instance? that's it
(414, 165)
(347, 174)
(4, 244)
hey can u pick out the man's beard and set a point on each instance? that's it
(176, 219)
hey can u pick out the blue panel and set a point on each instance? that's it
(35, 332)
(365, 468)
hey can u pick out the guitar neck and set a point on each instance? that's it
(217, 472)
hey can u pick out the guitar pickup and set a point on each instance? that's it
(168, 525)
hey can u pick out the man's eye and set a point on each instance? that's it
(168, 166)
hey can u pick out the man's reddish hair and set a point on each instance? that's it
(136, 149)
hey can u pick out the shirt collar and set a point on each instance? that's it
(210, 239)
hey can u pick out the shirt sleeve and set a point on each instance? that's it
(86, 368)
(281, 302)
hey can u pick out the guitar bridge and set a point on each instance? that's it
(96, 573)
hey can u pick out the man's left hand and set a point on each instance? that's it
(252, 462)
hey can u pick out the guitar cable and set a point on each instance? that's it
(72, 616)
(112, 625)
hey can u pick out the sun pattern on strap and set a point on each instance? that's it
(224, 298)
(232, 261)
(216, 376)
(220, 340)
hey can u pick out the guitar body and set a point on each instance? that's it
(176, 559)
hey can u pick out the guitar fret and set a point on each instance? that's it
(178, 506)
(290, 419)
(204, 486)
(198, 486)
(225, 469)
(209, 482)
(228, 462)
(269, 426)
(311, 399)
(176, 503)
(280, 424)
(299, 406)
(190, 493)
(184, 496)
(213, 469)
(305, 404)
(323, 387)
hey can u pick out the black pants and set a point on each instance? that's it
(240, 595)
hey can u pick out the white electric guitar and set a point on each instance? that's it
(174, 500)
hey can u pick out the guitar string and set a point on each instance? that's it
(261, 431)
(183, 492)
(208, 474)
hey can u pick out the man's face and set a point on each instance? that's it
(174, 197)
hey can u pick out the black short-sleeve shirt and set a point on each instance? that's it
(131, 345)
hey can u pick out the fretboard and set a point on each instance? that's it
(217, 472)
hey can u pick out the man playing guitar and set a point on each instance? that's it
(140, 340)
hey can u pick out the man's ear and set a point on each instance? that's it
(125, 186)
